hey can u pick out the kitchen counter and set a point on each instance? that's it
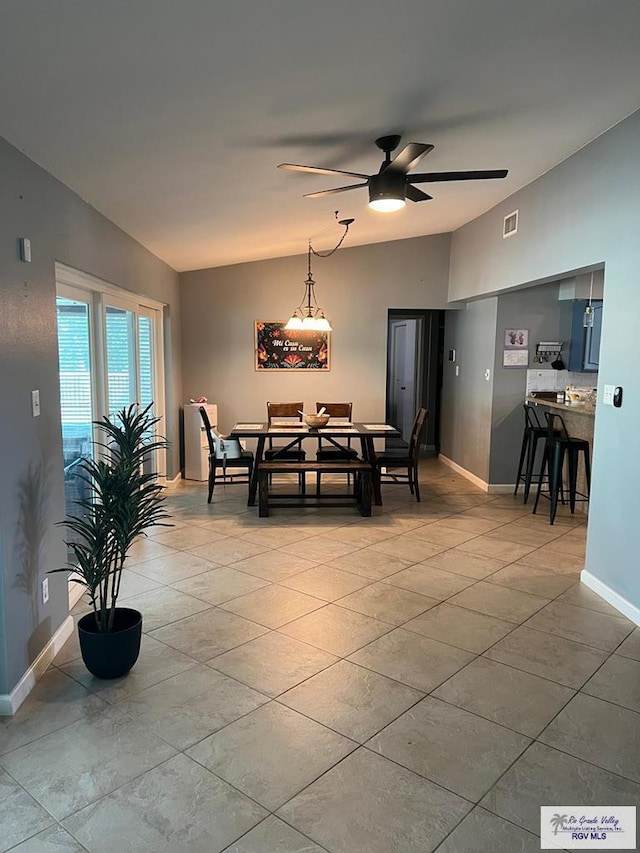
(567, 408)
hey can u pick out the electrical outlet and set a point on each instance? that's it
(45, 590)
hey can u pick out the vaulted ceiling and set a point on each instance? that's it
(170, 117)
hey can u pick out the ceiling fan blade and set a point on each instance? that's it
(323, 193)
(435, 177)
(317, 170)
(409, 157)
(414, 194)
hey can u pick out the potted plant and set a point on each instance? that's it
(124, 501)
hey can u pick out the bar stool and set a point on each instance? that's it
(534, 431)
(558, 445)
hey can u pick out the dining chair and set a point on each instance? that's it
(408, 458)
(223, 450)
(331, 452)
(287, 413)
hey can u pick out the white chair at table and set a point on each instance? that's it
(223, 449)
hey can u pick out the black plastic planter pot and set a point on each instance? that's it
(111, 654)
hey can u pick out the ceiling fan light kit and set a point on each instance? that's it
(387, 192)
(392, 185)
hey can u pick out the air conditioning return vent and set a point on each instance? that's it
(510, 225)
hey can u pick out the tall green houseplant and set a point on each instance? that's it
(124, 502)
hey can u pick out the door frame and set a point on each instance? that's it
(429, 365)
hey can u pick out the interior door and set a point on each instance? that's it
(415, 341)
(402, 401)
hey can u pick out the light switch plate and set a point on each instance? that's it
(35, 403)
(607, 396)
(24, 245)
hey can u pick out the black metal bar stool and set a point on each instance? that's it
(534, 431)
(560, 444)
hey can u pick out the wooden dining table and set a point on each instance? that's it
(332, 433)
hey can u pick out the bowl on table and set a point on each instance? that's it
(315, 421)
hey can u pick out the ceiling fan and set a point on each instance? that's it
(392, 184)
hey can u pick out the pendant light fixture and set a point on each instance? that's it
(308, 316)
(589, 311)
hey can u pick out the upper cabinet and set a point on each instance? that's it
(584, 347)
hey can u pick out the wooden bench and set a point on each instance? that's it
(362, 488)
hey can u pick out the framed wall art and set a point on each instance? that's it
(277, 348)
(516, 338)
(516, 352)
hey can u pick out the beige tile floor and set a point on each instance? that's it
(421, 680)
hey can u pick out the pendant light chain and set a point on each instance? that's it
(346, 223)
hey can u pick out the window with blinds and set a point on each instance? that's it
(76, 395)
(74, 352)
(110, 356)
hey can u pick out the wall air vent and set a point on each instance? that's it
(510, 225)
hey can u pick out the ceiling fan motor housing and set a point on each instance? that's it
(387, 184)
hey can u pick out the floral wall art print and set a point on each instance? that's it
(279, 349)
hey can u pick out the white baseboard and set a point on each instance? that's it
(172, 483)
(10, 702)
(500, 488)
(463, 471)
(76, 591)
(611, 596)
(490, 488)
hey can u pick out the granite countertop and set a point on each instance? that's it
(578, 408)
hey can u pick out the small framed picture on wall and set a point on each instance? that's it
(516, 338)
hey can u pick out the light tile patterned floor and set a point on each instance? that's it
(420, 680)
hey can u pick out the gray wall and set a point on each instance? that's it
(547, 318)
(61, 228)
(356, 287)
(538, 310)
(583, 213)
(467, 398)
(482, 420)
